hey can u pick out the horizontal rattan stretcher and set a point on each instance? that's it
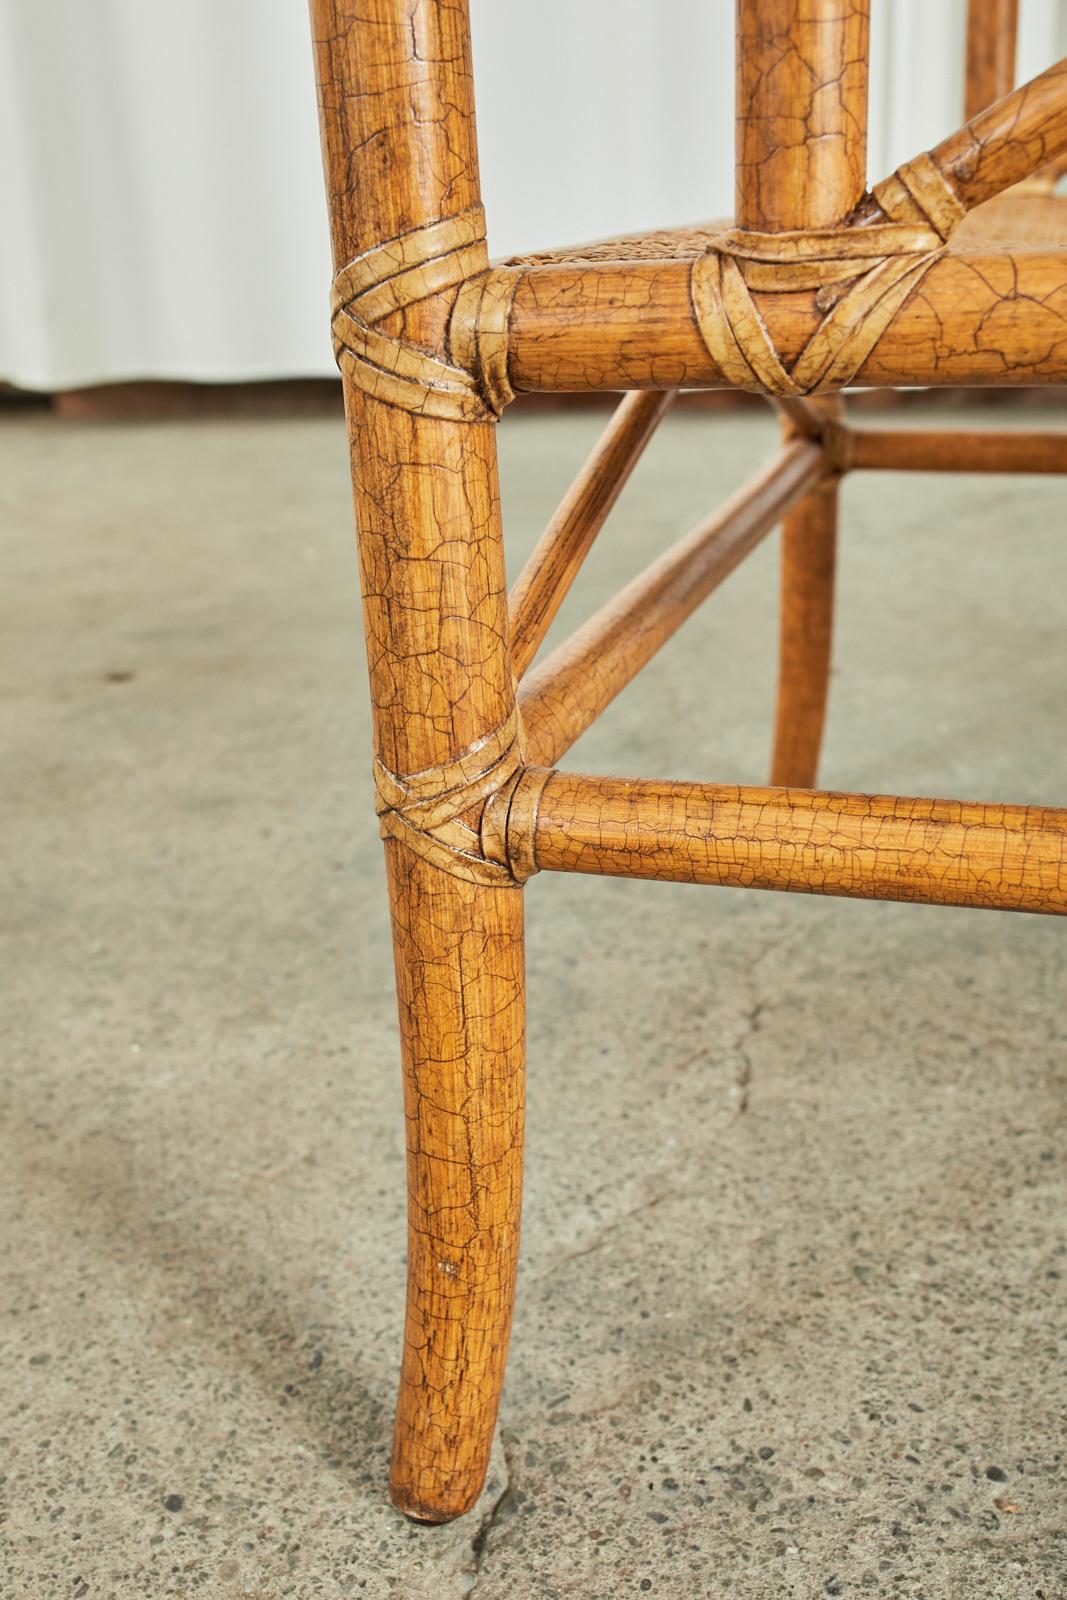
(618, 313)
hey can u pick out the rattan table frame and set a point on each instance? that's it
(951, 271)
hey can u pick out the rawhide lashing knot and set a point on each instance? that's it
(862, 275)
(457, 815)
(471, 386)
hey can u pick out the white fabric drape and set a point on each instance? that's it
(160, 189)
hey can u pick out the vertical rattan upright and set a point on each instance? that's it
(951, 271)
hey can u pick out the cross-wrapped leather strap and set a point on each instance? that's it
(427, 261)
(478, 332)
(427, 811)
(863, 275)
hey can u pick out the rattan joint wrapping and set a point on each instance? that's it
(862, 276)
(450, 254)
(430, 811)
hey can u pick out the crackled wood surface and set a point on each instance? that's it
(975, 315)
(981, 317)
(466, 819)
(945, 852)
(801, 139)
(398, 143)
(1010, 140)
(805, 635)
(801, 143)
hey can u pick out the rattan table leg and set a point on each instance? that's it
(805, 635)
(801, 143)
(398, 140)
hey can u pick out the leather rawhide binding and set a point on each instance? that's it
(478, 332)
(863, 275)
(425, 811)
(509, 821)
(427, 261)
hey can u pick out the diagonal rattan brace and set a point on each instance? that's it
(430, 811)
(450, 254)
(919, 191)
(862, 274)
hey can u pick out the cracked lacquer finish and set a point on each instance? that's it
(816, 287)
(398, 142)
(1003, 145)
(802, 163)
(990, 311)
(805, 635)
(801, 111)
(933, 297)
(870, 847)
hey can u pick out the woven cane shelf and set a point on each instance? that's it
(1010, 220)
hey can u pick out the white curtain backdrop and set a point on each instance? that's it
(161, 198)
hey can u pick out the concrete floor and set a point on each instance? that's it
(791, 1313)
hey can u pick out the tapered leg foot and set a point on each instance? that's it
(460, 984)
(809, 546)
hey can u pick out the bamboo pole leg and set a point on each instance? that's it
(399, 152)
(809, 554)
